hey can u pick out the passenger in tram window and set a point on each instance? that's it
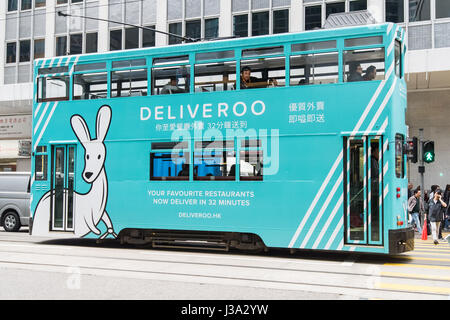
(232, 172)
(303, 82)
(171, 87)
(249, 82)
(184, 172)
(371, 73)
(355, 72)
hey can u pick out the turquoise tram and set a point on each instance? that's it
(290, 141)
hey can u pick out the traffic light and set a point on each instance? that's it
(428, 151)
(412, 149)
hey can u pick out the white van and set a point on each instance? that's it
(14, 200)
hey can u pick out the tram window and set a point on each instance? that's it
(53, 88)
(53, 70)
(218, 76)
(129, 63)
(251, 160)
(314, 68)
(170, 80)
(169, 161)
(262, 51)
(171, 60)
(90, 66)
(90, 86)
(214, 160)
(399, 156)
(129, 83)
(398, 59)
(203, 56)
(360, 63)
(40, 164)
(366, 41)
(311, 46)
(264, 73)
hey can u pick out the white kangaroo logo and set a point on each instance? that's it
(89, 208)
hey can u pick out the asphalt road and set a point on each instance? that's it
(42, 268)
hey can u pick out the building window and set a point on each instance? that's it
(61, 2)
(12, 5)
(76, 1)
(115, 40)
(131, 38)
(193, 29)
(61, 46)
(91, 42)
(260, 23)
(76, 43)
(39, 3)
(24, 50)
(240, 25)
(175, 28)
(394, 11)
(335, 8)
(26, 5)
(442, 9)
(148, 37)
(11, 52)
(419, 10)
(281, 21)
(358, 5)
(211, 28)
(313, 17)
(39, 48)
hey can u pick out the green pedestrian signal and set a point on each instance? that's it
(428, 151)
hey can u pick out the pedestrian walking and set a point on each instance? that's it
(416, 208)
(435, 212)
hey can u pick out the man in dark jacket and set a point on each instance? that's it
(435, 213)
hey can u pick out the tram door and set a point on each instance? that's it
(63, 185)
(363, 171)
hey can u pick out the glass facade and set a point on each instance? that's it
(313, 17)
(419, 10)
(394, 11)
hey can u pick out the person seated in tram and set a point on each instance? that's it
(371, 73)
(249, 82)
(355, 72)
(184, 172)
(171, 87)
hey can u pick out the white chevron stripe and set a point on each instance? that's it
(37, 109)
(322, 210)
(334, 234)
(41, 117)
(329, 220)
(45, 126)
(316, 198)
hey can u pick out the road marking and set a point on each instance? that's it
(414, 275)
(425, 266)
(409, 288)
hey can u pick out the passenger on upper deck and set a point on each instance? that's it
(249, 82)
(171, 87)
(371, 73)
(355, 72)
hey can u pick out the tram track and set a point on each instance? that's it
(158, 263)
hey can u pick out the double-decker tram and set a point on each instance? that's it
(288, 141)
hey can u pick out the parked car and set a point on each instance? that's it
(14, 200)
